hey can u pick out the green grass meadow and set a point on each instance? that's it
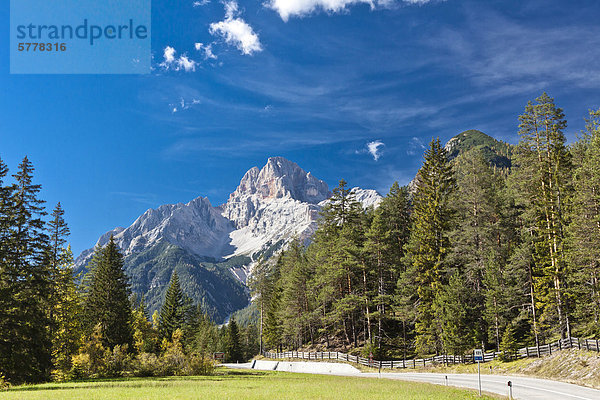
(239, 385)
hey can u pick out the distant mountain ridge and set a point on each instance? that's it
(212, 248)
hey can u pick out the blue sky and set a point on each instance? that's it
(312, 80)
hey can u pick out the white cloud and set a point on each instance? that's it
(374, 148)
(235, 31)
(169, 55)
(207, 49)
(200, 3)
(301, 8)
(171, 62)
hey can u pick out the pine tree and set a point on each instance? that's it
(584, 229)
(395, 210)
(297, 298)
(173, 311)
(107, 302)
(543, 179)
(482, 240)
(456, 316)
(429, 243)
(377, 247)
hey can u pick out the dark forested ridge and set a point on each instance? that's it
(494, 246)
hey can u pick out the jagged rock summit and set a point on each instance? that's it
(209, 245)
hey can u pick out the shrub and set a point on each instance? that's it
(4, 384)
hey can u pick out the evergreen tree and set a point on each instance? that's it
(25, 354)
(429, 244)
(8, 301)
(233, 347)
(482, 241)
(66, 301)
(456, 315)
(201, 333)
(173, 311)
(107, 302)
(377, 248)
(542, 177)
(584, 229)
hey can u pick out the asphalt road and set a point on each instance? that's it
(523, 388)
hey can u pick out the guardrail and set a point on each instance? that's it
(535, 351)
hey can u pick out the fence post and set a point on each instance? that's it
(587, 345)
(527, 351)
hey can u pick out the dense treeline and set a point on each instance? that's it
(472, 255)
(55, 325)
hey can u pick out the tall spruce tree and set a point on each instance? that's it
(173, 312)
(233, 345)
(8, 301)
(25, 354)
(429, 244)
(107, 302)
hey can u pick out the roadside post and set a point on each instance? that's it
(510, 390)
(478, 356)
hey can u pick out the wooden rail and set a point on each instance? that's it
(547, 349)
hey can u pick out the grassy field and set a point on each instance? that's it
(240, 385)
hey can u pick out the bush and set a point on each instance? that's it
(4, 384)
(95, 361)
(145, 364)
(117, 362)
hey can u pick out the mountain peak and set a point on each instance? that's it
(280, 178)
(496, 152)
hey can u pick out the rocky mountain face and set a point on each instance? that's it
(212, 248)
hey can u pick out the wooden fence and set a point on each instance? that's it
(569, 343)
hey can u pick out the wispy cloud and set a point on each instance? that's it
(200, 3)
(143, 198)
(235, 31)
(183, 105)
(415, 146)
(302, 8)
(508, 52)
